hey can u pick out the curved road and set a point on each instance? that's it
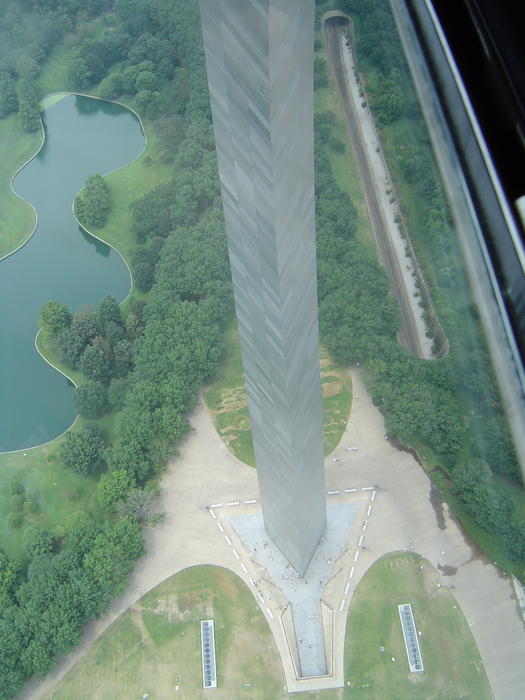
(335, 43)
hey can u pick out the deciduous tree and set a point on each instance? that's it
(54, 317)
(37, 541)
(90, 399)
(114, 487)
(83, 451)
(93, 203)
(94, 364)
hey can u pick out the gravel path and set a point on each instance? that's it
(376, 185)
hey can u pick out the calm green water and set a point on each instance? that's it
(83, 136)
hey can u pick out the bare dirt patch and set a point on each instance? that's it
(331, 388)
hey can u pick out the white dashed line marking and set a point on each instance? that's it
(212, 513)
(334, 492)
(270, 613)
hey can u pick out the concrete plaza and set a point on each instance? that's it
(404, 513)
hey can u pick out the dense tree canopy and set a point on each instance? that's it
(94, 363)
(60, 592)
(108, 311)
(83, 451)
(54, 317)
(73, 340)
(114, 487)
(92, 204)
(8, 96)
(148, 364)
(10, 576)
(37, 541)
(90, 399)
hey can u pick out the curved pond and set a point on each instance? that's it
(60, 262)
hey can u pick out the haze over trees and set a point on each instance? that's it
(450, 404)
(147, 365)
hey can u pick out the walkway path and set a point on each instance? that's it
(404, 512)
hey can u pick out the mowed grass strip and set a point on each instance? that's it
(17, 218)
(55, 74)
(226, 398)
(55, 71)
(54, 496)
(453, 666)
(126, 186)
(336, 386)
(227, 401)
(155, 647)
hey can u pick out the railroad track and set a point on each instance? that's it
(408, 334)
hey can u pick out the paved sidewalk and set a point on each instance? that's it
(403, 513)
(406, 513)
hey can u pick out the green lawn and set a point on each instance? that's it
(453, 667)
(54, 75)
(54, 495)
(16, 146)
(227, 401)
(55, 71)
(128, 184)
(155, 645)
(59, 494)
(17, 218)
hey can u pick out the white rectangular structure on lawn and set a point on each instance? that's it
(410, 636)
(259, 60)
(209, 669)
